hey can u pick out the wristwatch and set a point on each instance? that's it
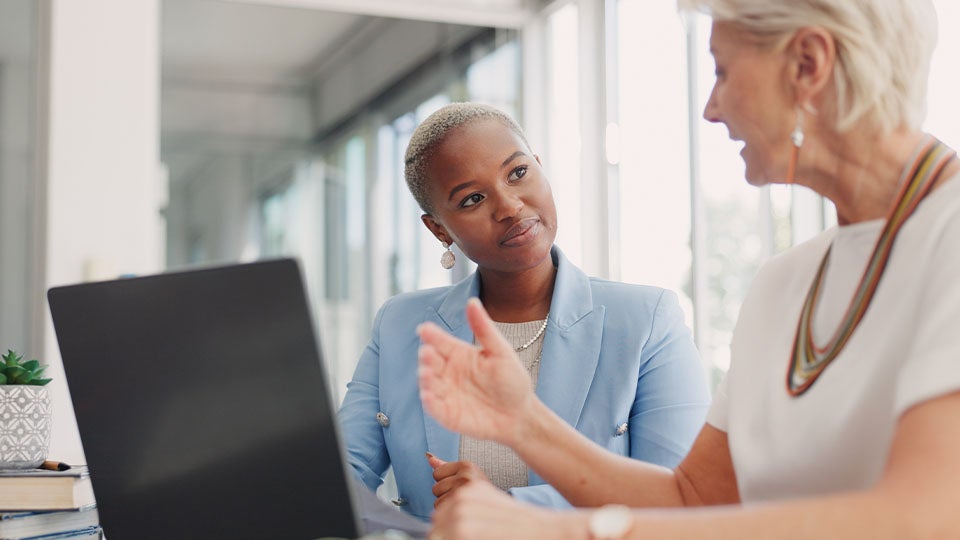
(610, 522)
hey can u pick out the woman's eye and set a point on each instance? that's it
(471, 200)
(518, 173)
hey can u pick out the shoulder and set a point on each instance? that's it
(929, 244)
(636, 305)
(936, 222)
(608, 293)
(797, 263)
(397, 319)
(404, 304)
(618, 289)
(577, 292)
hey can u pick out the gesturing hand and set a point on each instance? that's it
(481, 391)
(453, 475)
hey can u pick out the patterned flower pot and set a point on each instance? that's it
(24, 426)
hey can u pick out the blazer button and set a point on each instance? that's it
(383, 420)
(621, 429)
(399, 501)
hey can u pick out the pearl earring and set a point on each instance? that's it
(448, 259)
(797, 135)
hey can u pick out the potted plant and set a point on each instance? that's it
(24, 412)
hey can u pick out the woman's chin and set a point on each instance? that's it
(763, 176)
(755, 178)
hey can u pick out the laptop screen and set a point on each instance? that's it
(202, 405)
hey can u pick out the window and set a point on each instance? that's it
(654, 166)
(562, 160)
(689, 222)
(943, 109)
(21, 315)
(348, 215)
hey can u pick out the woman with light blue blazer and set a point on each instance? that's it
(614, 360)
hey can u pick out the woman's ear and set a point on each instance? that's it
(537, 157)
(814, 54)
(436, 228)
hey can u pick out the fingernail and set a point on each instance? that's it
(429, 455)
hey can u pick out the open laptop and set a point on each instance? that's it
(204, 410)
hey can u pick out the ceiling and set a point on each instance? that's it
(246, 44)
(253, 79)
(495, 13)
(242, 74)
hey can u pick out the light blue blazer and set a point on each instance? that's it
(618, 363)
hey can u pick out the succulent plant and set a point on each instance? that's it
(13, 370)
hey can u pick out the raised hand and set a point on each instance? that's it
(482, 391)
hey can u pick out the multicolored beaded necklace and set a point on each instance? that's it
(808, 361)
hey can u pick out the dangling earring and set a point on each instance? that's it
(448, 259)
(796, 137)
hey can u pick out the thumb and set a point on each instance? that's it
(434, 461)
(483, 329)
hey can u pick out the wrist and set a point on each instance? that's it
(610, 522)
(529, 429)
(570, 525)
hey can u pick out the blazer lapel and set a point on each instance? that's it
(570, 357)
(451, 316)
(571, 346)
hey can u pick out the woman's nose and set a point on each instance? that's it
(509, 207)
(710, 111)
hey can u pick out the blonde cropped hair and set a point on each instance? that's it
(883, 49)
(432, 131)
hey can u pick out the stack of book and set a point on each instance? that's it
(48, 504)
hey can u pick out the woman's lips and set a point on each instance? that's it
(523, 232)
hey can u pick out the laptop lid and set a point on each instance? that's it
(203, 406)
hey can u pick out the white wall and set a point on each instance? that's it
(101, 159)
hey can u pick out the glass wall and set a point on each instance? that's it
(372, 243)
(300, 148)
(20, 199)
(562, 154)
(688, 220)
(943, 108)
(322, 179)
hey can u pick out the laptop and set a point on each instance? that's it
(204, 409)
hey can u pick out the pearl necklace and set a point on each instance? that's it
(535, 337)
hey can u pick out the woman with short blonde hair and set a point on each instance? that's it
(840, 415)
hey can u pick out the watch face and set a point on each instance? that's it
(611, 522)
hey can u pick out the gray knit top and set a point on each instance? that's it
(499, 463)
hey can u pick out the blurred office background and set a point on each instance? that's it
(143, 135)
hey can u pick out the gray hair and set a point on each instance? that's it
(883, 49)
(432, 131)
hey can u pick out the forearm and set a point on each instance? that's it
(840, 517)
(584, 473)
(870, 515)
(541, 495)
